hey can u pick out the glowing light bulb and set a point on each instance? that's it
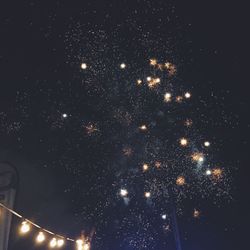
(147, 194)
(157, 80)
(164, 216)
(187, 95)
(25, 227)
(122, 65)
(153, 62)
(60, 243)
(86, 246)
(83, 66)
(167, 97)
(123, 192)
(206, 143)
(149, 78)
(64, 115)
(53, 243)
(40, 237)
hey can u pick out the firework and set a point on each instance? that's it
(153, 62)
(167, 97)
(123, 192)
(143, 127)
(145, 167)
(197, 157)
(123, 66)
(83, 66)
(187, 95)
(180, 181)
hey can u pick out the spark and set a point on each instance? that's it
(153, 62)
(147, 194)
(123, 192)
(40, 237)
(122, 65)
(179, 99)
(183, 142)
(158, 164)
(188, 123)
(206, 143)
(153, 82)
(83, 66)
(196, 213)
(180, 181)
(127, 151)
(187, 95)
(139, 82)
(164, 216)
(217, 172)
(167, 97)
(90, 129)
(145, 167)
(143, 127)
(208, 172)
(198, 157)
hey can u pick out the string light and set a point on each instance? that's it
(183, 142)
(187, 95)
(25, 227)
(147, 194)
(60, 243)
(143, 127)
(206, 143)
(40, 237)
(53, 243)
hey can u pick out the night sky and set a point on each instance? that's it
(80, 127)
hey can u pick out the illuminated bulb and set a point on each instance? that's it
(123, 192)
(53, 243)
(40, 237)
(25, 227)
(206, 143)
(60, 243)
(143, 127)
(164, 216)
(149, 78)
(145, 167)
(83, 66)
(167, 97)
(64, 115)
(208, 172)
(198, 157)
(183, 142)
(123, 66)
(187, 95)
(147, 194)
(86, 246)
(217, 172)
